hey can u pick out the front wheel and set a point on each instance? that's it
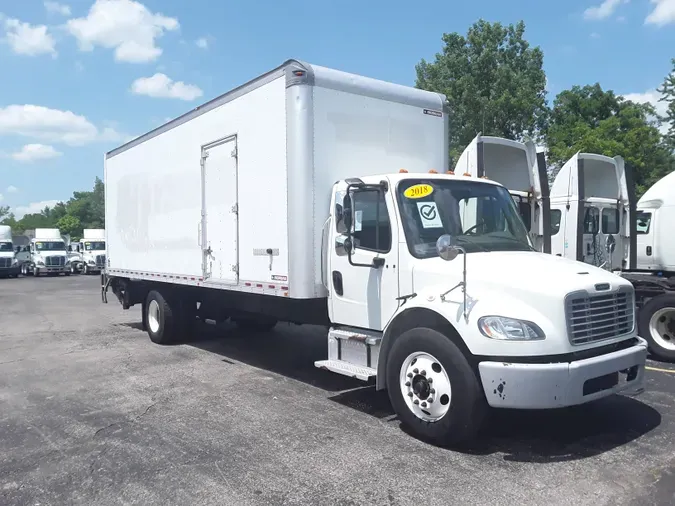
(433, 389)
(657, 325)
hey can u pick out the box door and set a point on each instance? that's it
(219, 212)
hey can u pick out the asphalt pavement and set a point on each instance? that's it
(92, 412)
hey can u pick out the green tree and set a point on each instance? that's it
(4, 212)
(592, 120)
(70, 225)
(667, 89)
(493, 80)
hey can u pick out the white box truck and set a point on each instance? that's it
(9, 263)
(285, 200)
(88, 255)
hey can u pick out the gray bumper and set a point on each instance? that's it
(15, 270)
(544, 386)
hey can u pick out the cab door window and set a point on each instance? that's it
(372, 228)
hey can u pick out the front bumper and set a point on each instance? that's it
(53, 268)
(11, 271)
(556, 385)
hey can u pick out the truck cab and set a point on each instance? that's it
(46, 253)
(88, 255)
(9, 264)
(391, 268)
(518, 167)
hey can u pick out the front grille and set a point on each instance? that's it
(592, 318)
(55, 261)
(100, 260)
(5, 262)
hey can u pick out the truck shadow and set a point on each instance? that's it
(520, 436)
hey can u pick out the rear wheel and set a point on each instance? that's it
(160, 319)
(433, 389)
(657, 325)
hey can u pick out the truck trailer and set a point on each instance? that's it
(314, 196)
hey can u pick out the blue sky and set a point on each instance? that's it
(80, 77)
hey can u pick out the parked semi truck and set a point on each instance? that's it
(311, 196)
(590, 214)
(9, 264)
(46, 253)
(88, 255)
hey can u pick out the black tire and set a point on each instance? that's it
(36, 272)
(166, 331)
(66, 273)
(646, 312)
(255, 325)
(85, 270)
(468, 407)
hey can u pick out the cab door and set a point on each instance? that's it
(363, 288)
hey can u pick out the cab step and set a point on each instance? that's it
(352, 352)
(347, 369)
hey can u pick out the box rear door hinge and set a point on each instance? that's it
(235, 209)
(235, 152)
(235, 269)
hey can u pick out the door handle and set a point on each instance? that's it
(649, 251)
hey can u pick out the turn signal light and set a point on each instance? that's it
(467, 174)
(402, 171)
(451, 172)
(433, 171)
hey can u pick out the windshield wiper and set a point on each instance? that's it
(513, 239)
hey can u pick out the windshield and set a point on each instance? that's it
(50, 246)
(94, 245)
(480, 216)
(6, 246)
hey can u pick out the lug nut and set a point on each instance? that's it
(410, 375)
(407, 383)
(424, 404)
(416, 370)
(430, 400)
(410, 394)
(423, 373)
(432, 391)
(416, 401)
(430, 380)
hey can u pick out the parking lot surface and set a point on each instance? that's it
(91, 412)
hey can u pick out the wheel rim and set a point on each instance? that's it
(662, 328)
(425, 386)
(153, 316)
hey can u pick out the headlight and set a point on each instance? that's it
(40, 262)
(15, 262)
(509, 329)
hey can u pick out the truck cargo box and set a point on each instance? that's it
(235, 193)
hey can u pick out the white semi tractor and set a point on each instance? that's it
(88, 255)
(309, 195)
(45, 254)
(590, 214)
(9, 264)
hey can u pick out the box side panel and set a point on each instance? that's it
(154, 190)
(356, 135)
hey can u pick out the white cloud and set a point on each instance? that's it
(652, 97)
(162, 86)
(12, 189)
(34, 152)
(604, 10)
(124, 25)
(202, 43)
(52, 125)
(57, 8)
(33, 207)
(663, 13)
(27, 39)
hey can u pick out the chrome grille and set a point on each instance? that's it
(55, 261)
(100, 260)
(5, 262)
(592, 318)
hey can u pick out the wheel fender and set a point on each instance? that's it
(412, 317)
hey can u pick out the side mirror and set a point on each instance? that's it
(446, 247)
(339, 220)
(610, 244)
(347, 212)
(343, 246)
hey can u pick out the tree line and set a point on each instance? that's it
(85, 209)
(496, 85)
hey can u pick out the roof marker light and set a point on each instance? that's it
(402, 171)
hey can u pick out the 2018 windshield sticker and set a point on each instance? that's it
(429, 215)
(418, 191)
